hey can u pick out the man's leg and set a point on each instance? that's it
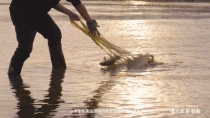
(25, 36)
(48, 28)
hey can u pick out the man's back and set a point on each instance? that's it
(34, 6)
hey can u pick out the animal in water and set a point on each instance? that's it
(108, 61)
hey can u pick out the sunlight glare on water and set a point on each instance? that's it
(138, 2)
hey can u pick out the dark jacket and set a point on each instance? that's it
(37, 6)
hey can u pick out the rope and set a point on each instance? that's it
(111, 49)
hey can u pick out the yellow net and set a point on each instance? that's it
(111, 49)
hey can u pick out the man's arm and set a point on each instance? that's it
(80, 8)
(66, 11)
(83, 12)
(92, 24)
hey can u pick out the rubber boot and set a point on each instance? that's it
(56, 55)
(15, 68)
(16, 63)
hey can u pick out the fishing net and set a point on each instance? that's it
(111, 49)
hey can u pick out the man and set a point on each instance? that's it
(30, 17)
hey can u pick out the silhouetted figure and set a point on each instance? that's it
(30, 17)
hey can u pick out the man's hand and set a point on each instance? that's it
(74, 16)
(92, 26)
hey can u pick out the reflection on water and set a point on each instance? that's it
(26, 104)
(92, 103)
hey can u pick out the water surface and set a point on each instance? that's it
(177, 34)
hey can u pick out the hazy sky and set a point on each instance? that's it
(8, 1)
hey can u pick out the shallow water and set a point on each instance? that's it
(177, 34)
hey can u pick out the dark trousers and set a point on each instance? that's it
(26, 27)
